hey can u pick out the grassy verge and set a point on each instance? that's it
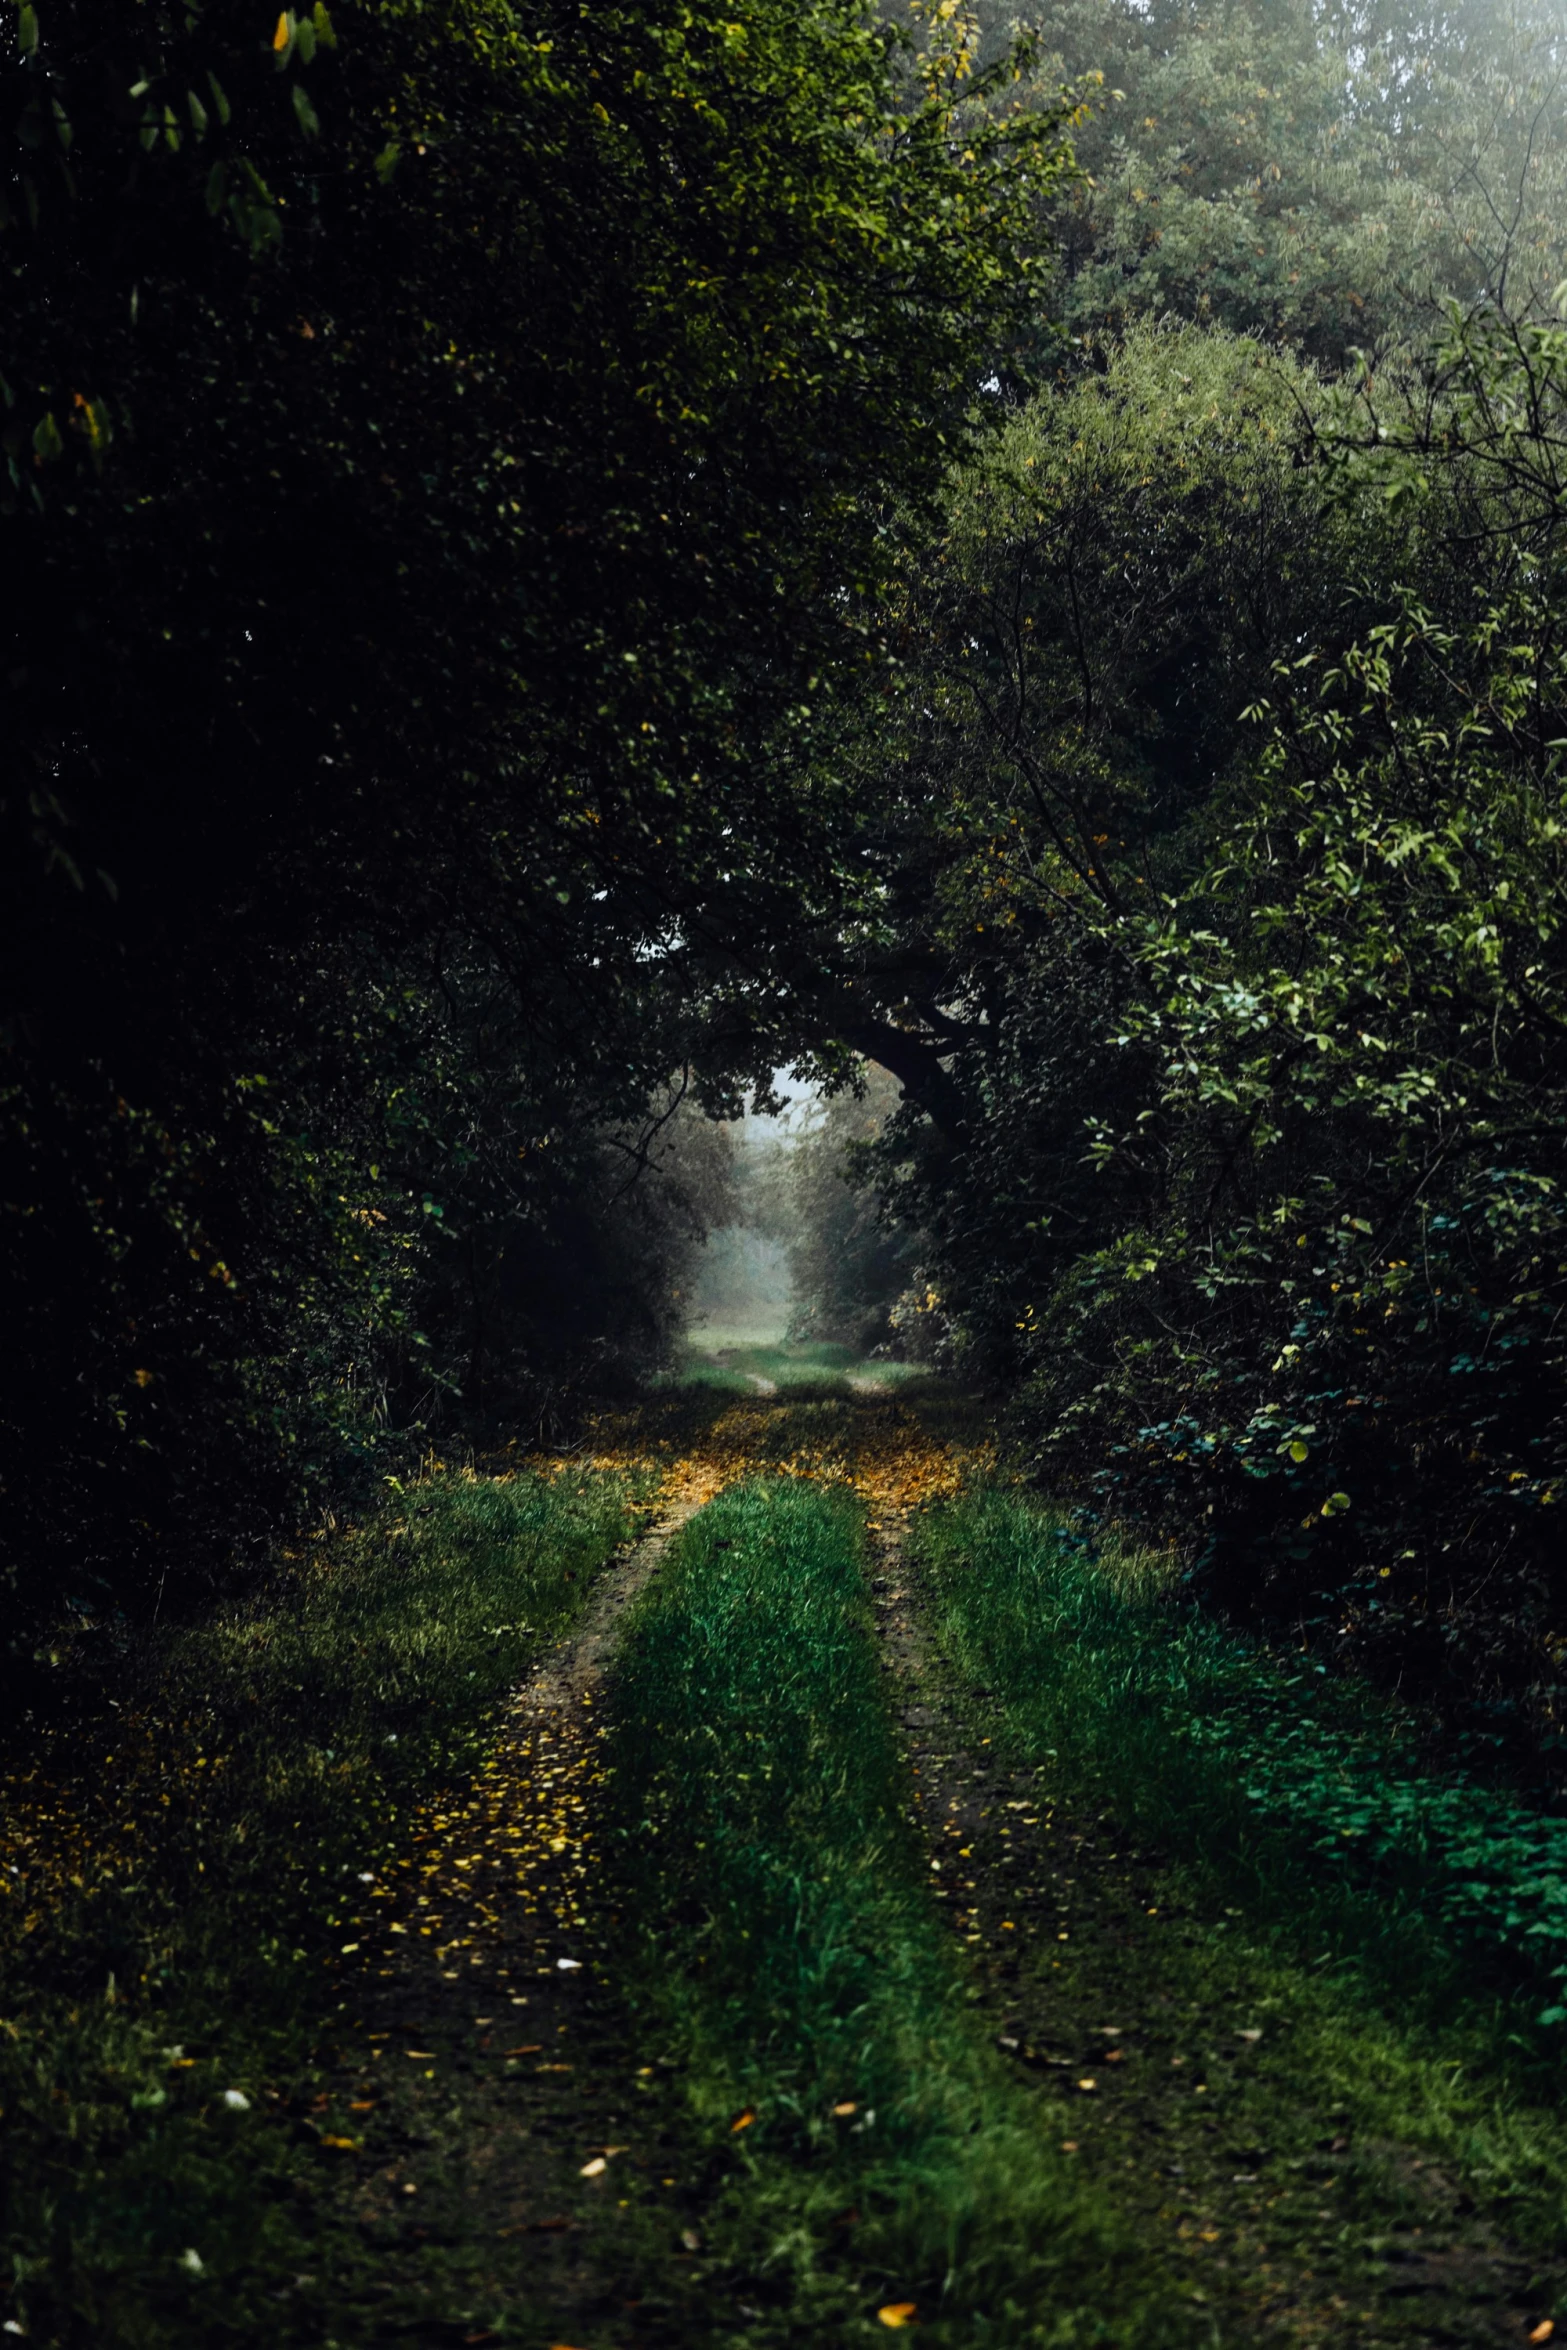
(179, 1864)
(1410, 1921)
(878, 2157)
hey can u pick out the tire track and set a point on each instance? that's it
(489, 2096)
(1077, 1940)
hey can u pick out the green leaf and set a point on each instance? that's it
(27, 30)
(198, 114)
(386, 161)
(218, 99)
(46, 438)
(309, 120)
(96, 425)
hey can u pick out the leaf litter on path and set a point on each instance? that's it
(492, 1903)
(497, 1875)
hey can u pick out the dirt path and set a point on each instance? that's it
(515, 2158)
(1174, 2081)
(519, 2163)
(494, 2155)
(488, 2098)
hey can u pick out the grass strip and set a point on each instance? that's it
(181, 1862)
(1309, 1791)
(1423, 1909)
(879, 2160)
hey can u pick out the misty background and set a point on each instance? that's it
(801, 1251)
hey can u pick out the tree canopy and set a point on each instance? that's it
(1318, 174)
(439, 449)
(561, 567)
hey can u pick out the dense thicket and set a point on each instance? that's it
(1221, 830)
(439, 448)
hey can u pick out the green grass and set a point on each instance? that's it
(803, 1369)
(792, 1957)
(735, 1368)
(1408, 1918)
(257, 1764)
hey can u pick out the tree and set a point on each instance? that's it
(438, 448)
(848, 1266)
(1317, 174)
(1356, 1014)
(1244, 961)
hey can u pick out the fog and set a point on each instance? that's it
(744, 1294)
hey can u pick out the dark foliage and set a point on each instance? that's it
(1238, 933)
(436, 449)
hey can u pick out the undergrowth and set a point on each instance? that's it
(881, 2159)
(1297, 1803)
(177, 1883)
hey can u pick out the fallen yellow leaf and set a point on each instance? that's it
(1544, 2330)
(280, 37)
(743, 2121)
(594, 2169)
(898, 2313)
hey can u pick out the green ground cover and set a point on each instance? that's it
(734, 1366)
(795, 1369)
(1408, 1919)
(818, 2105)
(182, 1877)
(790, 1954)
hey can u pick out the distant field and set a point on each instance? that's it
(749, 1364)
(762, 1326)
